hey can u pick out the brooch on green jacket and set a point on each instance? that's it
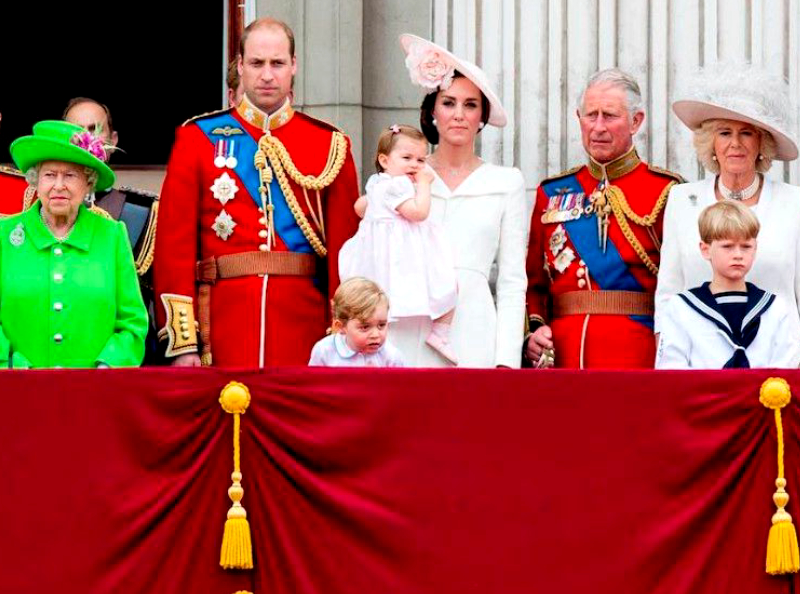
(17, 236)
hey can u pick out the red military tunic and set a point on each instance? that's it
(559, 270)
(14, 192)
(254, 319)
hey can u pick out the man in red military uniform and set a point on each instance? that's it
(595, 239)
(15, 194)
(257, 201)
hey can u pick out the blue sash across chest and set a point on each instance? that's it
(246, 146)
(609, 271)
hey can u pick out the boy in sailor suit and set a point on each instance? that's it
(727, 323)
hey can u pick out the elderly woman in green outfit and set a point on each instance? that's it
(69, 295)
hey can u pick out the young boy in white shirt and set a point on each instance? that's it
(727, 323)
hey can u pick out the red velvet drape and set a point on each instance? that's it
(393, 481)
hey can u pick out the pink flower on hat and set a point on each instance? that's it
(429, 68)
(91, 143)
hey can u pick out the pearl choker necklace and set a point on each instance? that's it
(740, 195)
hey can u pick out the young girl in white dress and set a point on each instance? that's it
(396, 246)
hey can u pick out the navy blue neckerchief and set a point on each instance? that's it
(286, 226)
(609, 271)
(703, 302)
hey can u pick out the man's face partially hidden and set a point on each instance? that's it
(93, 117)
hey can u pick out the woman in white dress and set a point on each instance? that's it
(740, 118)
(481, 208)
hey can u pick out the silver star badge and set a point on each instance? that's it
(224, 188)
(564, 259)
(223, 225)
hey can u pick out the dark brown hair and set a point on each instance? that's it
(426, 112)
(389, 138)
(267, 23)
(232, 79)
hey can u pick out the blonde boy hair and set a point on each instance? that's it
(357, 298)
(728, 219)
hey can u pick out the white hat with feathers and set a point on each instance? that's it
(744, 93)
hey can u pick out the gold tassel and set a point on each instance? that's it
(782, 551)
(237, 546)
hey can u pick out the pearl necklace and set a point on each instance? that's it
(740, 195)
(53, 233)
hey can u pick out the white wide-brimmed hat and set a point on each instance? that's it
(431, 67)
(742, 93)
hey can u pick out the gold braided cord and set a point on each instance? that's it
(148, 251)
(336, 157)
(649, 219)
(268, 145)
(614, 194)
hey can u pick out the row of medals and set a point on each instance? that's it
(566, 206)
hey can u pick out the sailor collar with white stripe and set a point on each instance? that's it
(703, 302)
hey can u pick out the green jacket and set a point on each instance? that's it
(69, 303)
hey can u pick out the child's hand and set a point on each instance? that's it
(424, 175)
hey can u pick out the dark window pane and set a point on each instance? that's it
(154, 66)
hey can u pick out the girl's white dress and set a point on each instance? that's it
(411, 261)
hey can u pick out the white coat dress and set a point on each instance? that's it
(484, 221)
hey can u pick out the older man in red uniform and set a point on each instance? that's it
(257, 201)
(595, 239)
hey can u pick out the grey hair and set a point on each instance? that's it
(32, 176)
(620, 79)
(704, 146)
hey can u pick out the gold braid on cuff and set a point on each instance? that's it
(278, 158)
(180, 329)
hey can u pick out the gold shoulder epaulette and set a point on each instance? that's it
(11, 171)
(666, 173)
(562, 174)
(204, 115)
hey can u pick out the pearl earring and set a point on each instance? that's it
(713, 157)
(760, 157)
(433, 121)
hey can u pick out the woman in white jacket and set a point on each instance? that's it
(481, 208)
(740, 117)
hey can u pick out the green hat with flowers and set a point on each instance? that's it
(54, 140)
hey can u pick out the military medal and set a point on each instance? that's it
(17, 236)
(557, 240)
(564, 259)
(231, 162)
(223, 225)
(564, 205)
(224, 188)
(219, 152)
